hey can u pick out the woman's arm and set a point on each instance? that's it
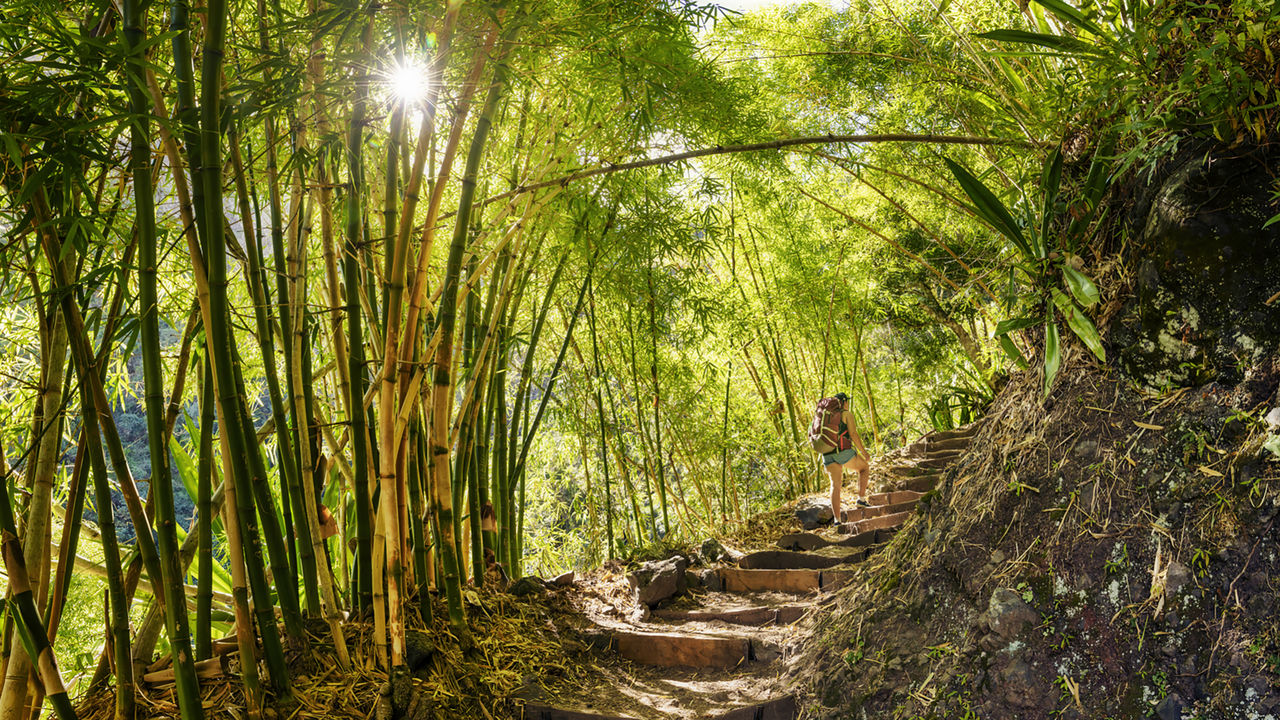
(855, 435)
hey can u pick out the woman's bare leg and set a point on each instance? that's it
(835, 471)
(860, 466)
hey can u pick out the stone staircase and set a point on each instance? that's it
(713, 656)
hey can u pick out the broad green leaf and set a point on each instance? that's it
(187, 472)
(1070, 14)
(1085, 292)
(1061, 43)
(1011, 349)
(1271, 222)
(988, 207)
(1012, 324)
(1052, 354)
(1080, 324)
(186, 467)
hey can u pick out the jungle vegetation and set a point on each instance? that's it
(345, 302)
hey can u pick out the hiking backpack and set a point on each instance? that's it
(825, 432)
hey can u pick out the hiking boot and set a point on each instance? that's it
(862, 502)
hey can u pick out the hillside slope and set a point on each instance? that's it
(1110, 550)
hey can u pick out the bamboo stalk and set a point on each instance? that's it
(175, 601)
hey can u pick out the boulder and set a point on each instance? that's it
(1007, 614)
(659, 580)
(564, 580)
(812, 512)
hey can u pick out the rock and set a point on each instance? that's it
(711, 550)
(812, 512)
(1018, 684)
(711, 580)
(997, 557)
(1177, 577)
(564, 580)
(527, 585)
(1007, 614)
(1085, 451)
(1170, 708)
(1204, 258)
(692, 579)
(658, 580)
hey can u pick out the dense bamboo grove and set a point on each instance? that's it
(416, 297)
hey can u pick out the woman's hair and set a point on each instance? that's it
(842, 397)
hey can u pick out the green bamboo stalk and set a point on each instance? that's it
(204, 514)
(657, 399)
(277, 551)
(287, 457)
(222, 342)
(355, 337)
(599, 380)
(175, 601)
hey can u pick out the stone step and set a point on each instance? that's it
(741, 580)
(802, 541)
(680, 650)
(966, 431)
(781, 615)
(922, 483)
(892, 497)
(877, 523)
(681, 695)
(960, 443)
(936, 463)
(944, 454)
(907, 471)
(867, 513)
(814, 541)
(791, 560)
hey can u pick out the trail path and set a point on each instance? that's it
(718, 654)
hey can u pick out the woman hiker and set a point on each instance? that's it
(839, 461)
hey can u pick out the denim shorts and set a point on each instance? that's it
(839, 457)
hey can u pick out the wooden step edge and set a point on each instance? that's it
(893, 496)
(961, 443)
(877, 523)
(798, 582)
(755, 617)
(682, 650)
(922, 484)
(787, 560)
(876, 511)
(802, 541)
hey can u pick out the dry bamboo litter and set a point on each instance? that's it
(516, 640)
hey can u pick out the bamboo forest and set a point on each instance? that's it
(639, 359)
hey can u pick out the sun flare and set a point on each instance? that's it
(407, 82)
